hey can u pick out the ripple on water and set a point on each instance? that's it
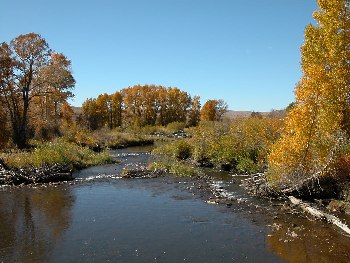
(154, 220)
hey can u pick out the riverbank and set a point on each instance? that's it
(242, 148)
(329, 204)
(48, 162)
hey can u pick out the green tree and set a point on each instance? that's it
(290, 106)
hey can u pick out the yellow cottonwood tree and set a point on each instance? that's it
(318, 125)
(213, 110)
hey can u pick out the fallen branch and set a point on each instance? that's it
(33, 175)
(316, 186)
(319, 214)
(302, 184)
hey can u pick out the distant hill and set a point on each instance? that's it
(237, 114)
(77, 112)
(280, 114)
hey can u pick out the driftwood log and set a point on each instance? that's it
(33, 175)
(319, 214)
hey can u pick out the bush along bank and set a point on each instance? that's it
(48, 162)
(239, 146)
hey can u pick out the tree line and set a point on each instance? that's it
(37, 82)
(148, 105)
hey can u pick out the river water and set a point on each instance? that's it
(101, 217)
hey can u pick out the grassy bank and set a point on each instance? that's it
(175, 167)
(56, 152)
(106, 138)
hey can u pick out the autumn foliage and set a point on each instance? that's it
(318, 125)
(241, 145)
(140, 106)
(213, 110)
(34, 83)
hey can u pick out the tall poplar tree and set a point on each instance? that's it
(317, 127)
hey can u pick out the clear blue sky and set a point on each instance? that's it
(245, 52)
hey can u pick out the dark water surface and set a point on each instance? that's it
(103, 218)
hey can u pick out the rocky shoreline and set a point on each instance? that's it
(255, 185)
(326, 194)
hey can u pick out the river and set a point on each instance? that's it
(101, 217)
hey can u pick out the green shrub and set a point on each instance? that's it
(178, 149)
(241, 145)
(247, 165)
(183, 150)
(149, 129)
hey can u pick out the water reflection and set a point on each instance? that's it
(308, 241)
(292, 237)
(32, 221)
